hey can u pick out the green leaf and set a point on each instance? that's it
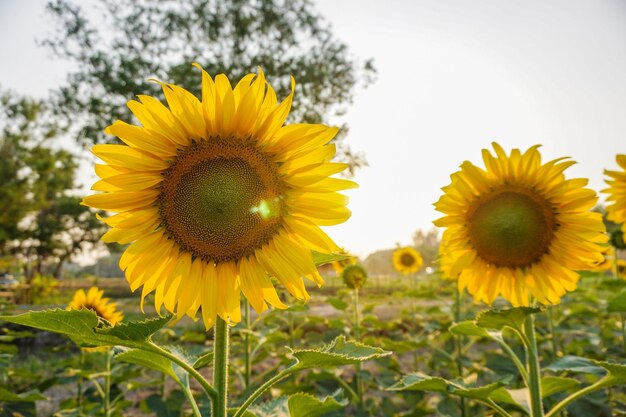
(618, 303)
(25, 397)
(422, 382)
(84, 328)
(575, 364)
(149, 360)
(468, 328)
(204, 360)
(326, 258)
(299, 405)
(338, 303)
(498, 319)
(338, 352)
(551, 385)
(305, 405)
(616, 372)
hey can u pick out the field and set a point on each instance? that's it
(409, 317)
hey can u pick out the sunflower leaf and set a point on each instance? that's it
(421, 382)
(338, 352)
(25, 397)
(149, 360)
(468, 328)
(618, 303)
(551, 385)
(498, 319)
(299, 405)
(326, 258)
(85, 329)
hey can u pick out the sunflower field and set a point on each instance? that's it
(169, 244)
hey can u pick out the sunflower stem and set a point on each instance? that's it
(107, 384)
(79, 382)
(458, 341)
(357, 337)
(220, 368)
(246, 344)
(622, 315)
(555, 346)
(534, 376)
(208, 389)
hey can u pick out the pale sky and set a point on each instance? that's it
(452, 77)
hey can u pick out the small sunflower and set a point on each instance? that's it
(354, 276)
(617, 239)
(621, 268)
(617, 193)
(407, 260)
(217, 195)
(519, 227)
(93, 300)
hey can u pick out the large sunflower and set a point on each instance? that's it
(407, 260)
(217, 195)
(93, 300)
(519, 228)
(616, 211)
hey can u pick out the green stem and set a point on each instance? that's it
(623, 316)
(79, 382)
(210, 391)
(259, 391)
(534, 380)
(357, 318)
(458, 341)
(516, 360)
(246, 345)
(347, 387)
(555, 348)
(192, 401)
(220, 368)
(497, 408)
(107, 384)
(578, 394)
(357, 336)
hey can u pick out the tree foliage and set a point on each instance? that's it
(41, 222)
(130, 41)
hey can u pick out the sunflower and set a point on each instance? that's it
(354, 276)
(617, 193)
(407, 260)
(621, 268)
(519, 228)
(217, 195)
(617, 239)
(93, 300)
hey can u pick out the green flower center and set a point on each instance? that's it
(512, 227)
(406, 259)
(221, 199)
(354, 276)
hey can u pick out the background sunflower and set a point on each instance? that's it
(407, 260)
(616, 211)
(519, 228)
(93, 300)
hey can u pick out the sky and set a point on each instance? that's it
(453, 76)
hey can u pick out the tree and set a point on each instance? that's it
(41, 222)
(153, 38)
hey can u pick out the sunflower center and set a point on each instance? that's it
(406, 259)
(221, 199)
(511, 227)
